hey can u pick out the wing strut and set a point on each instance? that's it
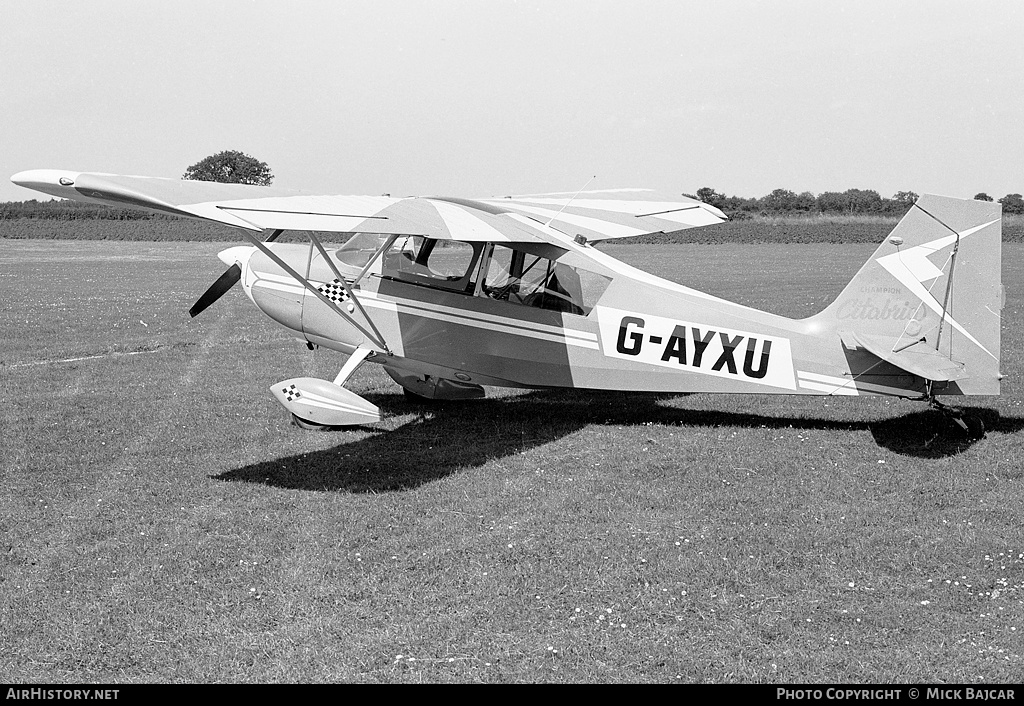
(375, 337)
(351, 295)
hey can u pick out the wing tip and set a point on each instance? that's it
(55, 182)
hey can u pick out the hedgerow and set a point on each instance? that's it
(157, 229)
(755, 230)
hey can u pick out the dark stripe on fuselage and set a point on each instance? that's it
(475, 346)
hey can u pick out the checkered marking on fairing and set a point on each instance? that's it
(333, 291)
(291, 393)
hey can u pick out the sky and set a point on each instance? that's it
(481, 98)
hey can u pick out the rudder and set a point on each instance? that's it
(904, 294)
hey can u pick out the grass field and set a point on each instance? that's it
(161, 520)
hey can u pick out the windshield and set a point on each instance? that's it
(358, 250)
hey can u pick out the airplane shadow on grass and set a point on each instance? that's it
(447, 438)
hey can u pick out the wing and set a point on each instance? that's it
(546, 218)
(612, 213)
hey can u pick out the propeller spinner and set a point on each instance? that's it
(236, 257)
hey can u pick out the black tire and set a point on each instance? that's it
(975, 427)
(308, 425)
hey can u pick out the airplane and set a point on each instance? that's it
(451, 295)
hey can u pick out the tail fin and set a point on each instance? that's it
(932, 288)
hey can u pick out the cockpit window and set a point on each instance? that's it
(448, 264)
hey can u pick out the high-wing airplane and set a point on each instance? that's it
(452, 294)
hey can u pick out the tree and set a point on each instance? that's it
(780, 200)
(863, 200)
(899, 204)
(710, 196)
(831, 202)
(1012, 203)
(805, 202)
(739, 207)
(231, 167)
(982, 197)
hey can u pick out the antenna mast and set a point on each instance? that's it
(570, 201)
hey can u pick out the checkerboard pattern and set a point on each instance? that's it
(333, 291)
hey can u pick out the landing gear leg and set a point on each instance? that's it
(353, 362)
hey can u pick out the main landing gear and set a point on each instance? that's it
(319, 404)
(310, 425)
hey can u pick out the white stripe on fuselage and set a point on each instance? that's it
(438, 312)
(845, 386)
(368, 297)
(566, 336)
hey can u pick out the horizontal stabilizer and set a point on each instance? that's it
(918, 359)
(323, 402)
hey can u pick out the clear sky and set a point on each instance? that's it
(491, 97)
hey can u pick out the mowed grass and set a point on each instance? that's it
(162, 521)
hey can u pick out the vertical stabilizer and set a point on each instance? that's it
(934, 286)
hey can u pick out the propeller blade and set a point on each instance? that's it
(225, 282)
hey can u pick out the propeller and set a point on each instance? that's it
(226, 281)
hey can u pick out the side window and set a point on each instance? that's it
(520, 277)
(499, 270)
(450, 259)
(447, 264)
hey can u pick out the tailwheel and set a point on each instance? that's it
(969, 425)
(975, 426)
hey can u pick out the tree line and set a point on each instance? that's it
(783, 202)
(64, 210)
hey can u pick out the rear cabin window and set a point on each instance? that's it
(445, 264)
(520, 277)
